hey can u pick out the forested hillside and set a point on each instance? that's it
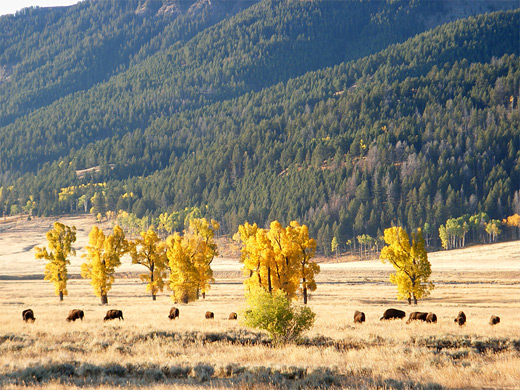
(300, 110)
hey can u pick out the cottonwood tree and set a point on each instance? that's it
(201, 233)
(334, 246)
(150, 251)
(278, 258)
(285, 265)
(493, 230)
(255, 253)
(410, 262)
(103, 257)
(60, 240)
(183, 274)
(305, 251)
(190, 257)
(513, 221)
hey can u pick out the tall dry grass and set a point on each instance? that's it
(149, 350)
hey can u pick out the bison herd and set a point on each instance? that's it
(396, 314)
(76, 314)
(359, 316)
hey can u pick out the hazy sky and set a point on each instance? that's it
(11, 6)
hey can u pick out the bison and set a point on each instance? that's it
(113, 314)
(460, 319)
(174, 313)
(431, 317)
(232, 316)
(494, 320)
(359, 317)
(28, 315)
(417, 315)
(391, 314)
(210, 315)
(75, 314)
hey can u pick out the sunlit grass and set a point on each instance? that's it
(148, 349)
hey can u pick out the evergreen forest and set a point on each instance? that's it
(349, 117)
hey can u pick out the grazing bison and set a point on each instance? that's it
(417, 315)
(431, 317)
(174, 313)
(359, 317)
(460, 319)
(232, 316)
(210, 315)
(113, 314)
(28, 315)
(494, 320)
(75, 314)
(391, 314)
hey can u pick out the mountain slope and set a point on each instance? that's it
(47, 54)
(411, 135)
(267, 43)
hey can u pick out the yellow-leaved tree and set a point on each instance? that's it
(278, 258)
(513, 221)
(103, 257)
(410, 261)
(201, 233)
(190, 257)
(257, 254)
(60, 240)
(150, 251)
(285, 265)
(183, 275)
(305, 251)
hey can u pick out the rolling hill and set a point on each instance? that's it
(348, 116)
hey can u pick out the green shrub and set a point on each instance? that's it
(274, 313)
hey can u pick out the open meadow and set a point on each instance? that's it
(147, 350)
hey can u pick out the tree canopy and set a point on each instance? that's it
(60, 240)
(410, 261)
(349, 116)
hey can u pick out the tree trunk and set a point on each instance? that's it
(414, 299)
(203, 295)
(154, 297)
(270, 287)
(305, 295)
(104, 299)
(61, 296)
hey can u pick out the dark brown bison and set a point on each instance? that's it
(28, 315)
(113, 314)
(359, 317)
(417, 316)
(460, 319)
(174, 313)
(431, 317)
(494, 320)
(75, 314)
(232, 316)
(392, 314)
(210, 315)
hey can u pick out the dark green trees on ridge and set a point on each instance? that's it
(414, 134)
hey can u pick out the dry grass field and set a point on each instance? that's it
(147, 350)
